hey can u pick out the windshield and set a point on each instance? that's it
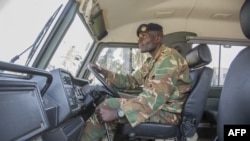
(21, 22)
(73, 49)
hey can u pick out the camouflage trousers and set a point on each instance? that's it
(94, 131)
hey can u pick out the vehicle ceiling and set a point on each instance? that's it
(207, 18)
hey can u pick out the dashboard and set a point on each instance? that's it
(48, 105)
(68, 97)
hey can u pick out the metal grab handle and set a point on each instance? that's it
(107, 131)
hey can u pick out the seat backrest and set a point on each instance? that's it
(235, 97)
(194, 106)
(244, 18)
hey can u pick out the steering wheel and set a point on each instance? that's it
(112, 93)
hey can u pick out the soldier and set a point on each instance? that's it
(165, 79)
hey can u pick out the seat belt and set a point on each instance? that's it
(187, 128)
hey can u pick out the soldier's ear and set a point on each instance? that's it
(158, 39)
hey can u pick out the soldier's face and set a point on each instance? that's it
(147, 42)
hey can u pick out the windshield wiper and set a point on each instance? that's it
(38, 40)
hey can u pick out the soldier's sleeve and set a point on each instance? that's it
(156, 91)
(122, 81)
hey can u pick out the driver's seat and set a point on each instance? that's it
(193, 109)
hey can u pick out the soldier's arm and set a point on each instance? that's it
(122, 81)
(154, 96)
(156, 92)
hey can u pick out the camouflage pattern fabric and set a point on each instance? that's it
(166, 82)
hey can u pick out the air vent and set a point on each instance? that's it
(67, 80)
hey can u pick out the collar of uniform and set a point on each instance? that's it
(158, 53)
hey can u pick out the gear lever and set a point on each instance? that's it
(107, 131)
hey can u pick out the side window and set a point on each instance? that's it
(222, 56)
(120, 60)
(227, 56)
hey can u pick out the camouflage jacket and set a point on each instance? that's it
(165, 80)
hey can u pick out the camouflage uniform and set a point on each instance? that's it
(166, 82)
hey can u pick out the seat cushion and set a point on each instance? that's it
(148, 130)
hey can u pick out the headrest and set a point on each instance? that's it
(198, 56)
(245, 18)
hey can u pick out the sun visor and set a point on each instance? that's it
(97, 25)
(93, 15)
